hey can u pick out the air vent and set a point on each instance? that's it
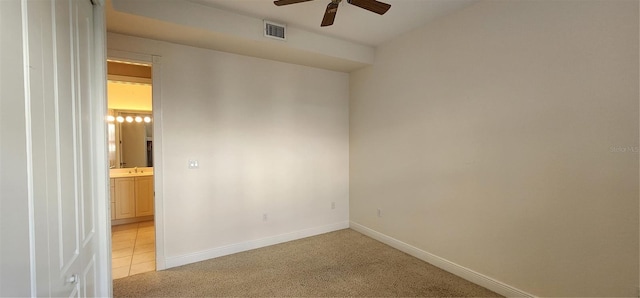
(274, 30)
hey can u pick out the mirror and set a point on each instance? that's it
(130, 129)
(130, 139)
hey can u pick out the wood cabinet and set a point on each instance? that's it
(144, 195)
(125, 197)
(112, 194)
(131, 197)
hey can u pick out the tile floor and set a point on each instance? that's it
(133, 249)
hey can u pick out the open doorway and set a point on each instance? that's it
(131, 171)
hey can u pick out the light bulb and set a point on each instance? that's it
(120, 119)
(147, 119)
(138, 119)
(111, 118)
(129, 119)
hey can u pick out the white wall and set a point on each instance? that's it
(15, 277)
(504, 138)
(270, 138)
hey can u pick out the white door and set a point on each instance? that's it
(60, 60)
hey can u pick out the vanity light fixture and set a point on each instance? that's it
(129, 119)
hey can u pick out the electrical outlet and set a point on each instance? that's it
(193, 164)
(379, 213)
(264, 217)
(333, 205)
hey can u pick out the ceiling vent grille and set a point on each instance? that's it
(274, 30)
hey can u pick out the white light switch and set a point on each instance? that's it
(193, 164)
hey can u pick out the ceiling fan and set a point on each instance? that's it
(330, 14)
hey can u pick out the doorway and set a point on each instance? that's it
(131, 167)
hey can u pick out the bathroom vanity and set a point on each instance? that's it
(132, 195)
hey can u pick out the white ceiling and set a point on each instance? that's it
(236, 26)
(352, 23)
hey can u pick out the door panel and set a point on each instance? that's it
(64, 113)
(90, 279)
(60, 57)
(125, 198)
(112, 198)
(84, 56)
(84, 40)
(144, 196)
(44, 142)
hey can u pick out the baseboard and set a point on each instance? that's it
(253, 244)
(461, 271)
(125, 221)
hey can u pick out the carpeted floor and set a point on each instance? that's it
(342, 263)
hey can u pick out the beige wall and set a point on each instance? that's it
(269, 137)
(504, 138)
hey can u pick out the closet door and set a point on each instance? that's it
(60, 55)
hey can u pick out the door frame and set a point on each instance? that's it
(156, 64)
(101, 159)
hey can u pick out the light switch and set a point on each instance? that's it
(193, 164)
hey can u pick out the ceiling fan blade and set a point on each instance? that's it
(287, 2)
(330, 14)
(371, 5)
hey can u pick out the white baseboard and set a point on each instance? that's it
(253, 244)
(461, 271)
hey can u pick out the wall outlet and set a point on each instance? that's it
(333, 205)
(379, 212)
(264, 217)
(193, 164)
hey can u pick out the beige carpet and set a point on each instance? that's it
(342, 263)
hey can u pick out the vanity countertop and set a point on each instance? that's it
(123, 173)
